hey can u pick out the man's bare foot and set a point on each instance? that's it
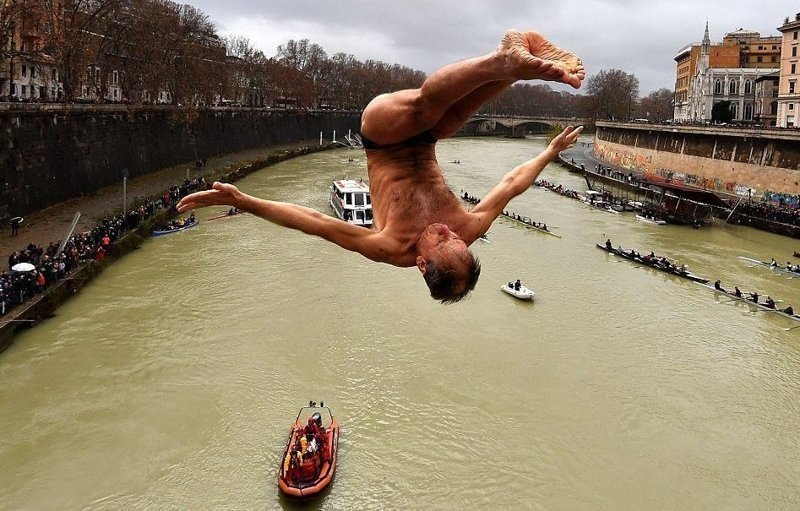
(532, 57)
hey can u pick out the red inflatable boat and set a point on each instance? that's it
(309, 460)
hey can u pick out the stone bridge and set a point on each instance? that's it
(517, 126)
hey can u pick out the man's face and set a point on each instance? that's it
(440, 243)
(449, 251)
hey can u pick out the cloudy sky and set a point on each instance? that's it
(640, 37)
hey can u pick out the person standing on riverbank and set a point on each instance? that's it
(15, 223)
(417, 219)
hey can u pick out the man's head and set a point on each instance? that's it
(448, 267)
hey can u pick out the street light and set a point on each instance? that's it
(124, 192)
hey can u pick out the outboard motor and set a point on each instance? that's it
(317, 418)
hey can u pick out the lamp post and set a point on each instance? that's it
(124, 191)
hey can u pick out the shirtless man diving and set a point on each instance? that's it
(417, 221)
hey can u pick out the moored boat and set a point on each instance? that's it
(309, 460)
(595, 199)
(351, 201)
(655, 262)
(518, 291)
(650, 220)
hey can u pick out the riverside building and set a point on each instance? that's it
(788, 92)
(709, 73)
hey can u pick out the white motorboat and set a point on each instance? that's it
(351, 201)
(650, 220)
(521, 292)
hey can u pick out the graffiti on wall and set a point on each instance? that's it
(705, 183)
(783, 199)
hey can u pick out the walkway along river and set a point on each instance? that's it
(170, 381)
(43, 304)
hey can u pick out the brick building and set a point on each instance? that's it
(788, 91)
(741, 49)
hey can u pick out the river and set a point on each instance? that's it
(171, 381)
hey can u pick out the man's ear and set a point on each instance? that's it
(421, 264)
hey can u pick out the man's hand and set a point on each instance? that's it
(221, 194)
(566, 139)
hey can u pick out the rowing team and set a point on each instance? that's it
(789, 266)
(753, 297)
(651, 259)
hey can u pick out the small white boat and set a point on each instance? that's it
(523, 293)
(595, 199)
(648, 220)
(351, 201)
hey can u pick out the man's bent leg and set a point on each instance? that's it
(459, 113)
(392, 118)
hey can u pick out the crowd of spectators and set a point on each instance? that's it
(774, 207)
(51, 264)
(784, 213)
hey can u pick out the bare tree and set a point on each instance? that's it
(78, 44)
(657, 106)
(612, 94)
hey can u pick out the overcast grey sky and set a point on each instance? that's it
(638, 36)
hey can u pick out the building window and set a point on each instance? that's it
(748, 112)
(794, 51)
(732, 87)
(794, 35)
(24, 71)
(773, 108)
(759, 59)
(791, 105)
(791, 87)
(734, 111)
(24, 89)
(33, 72)
(748, 87)
(718, 87)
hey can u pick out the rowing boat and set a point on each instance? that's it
(163, 232)
(226, 214)
(524, 220)
(527, 222)
(653, 264)
(748, 301)
(769, 265)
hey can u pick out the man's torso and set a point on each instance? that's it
(409, 193)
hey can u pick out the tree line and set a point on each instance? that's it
(141, 47)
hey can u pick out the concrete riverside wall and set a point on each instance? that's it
(730, 160)
(53, 153)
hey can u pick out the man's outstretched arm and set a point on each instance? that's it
(307, 220)
(522, 177)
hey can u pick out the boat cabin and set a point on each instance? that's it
(351, 201)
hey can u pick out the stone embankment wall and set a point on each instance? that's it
(53, 153)
(730, 160)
